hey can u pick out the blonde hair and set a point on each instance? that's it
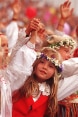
(31, 84)
(56, 41)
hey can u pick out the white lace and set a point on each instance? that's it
(44, 90)
(30, 45)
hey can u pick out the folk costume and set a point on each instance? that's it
(32, 107)
(20, 67)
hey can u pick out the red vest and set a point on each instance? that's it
(26, 107)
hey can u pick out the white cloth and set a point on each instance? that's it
(70, 67)
(12, 34)
(6, 98)
(44, 89)
(22, 58)
(20, 66)
(67, 86)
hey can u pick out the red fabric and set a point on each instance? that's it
(75, 53)
(67, 108)
(26, 107)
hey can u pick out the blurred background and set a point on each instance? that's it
(47, 10)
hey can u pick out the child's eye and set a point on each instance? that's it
(51, 65)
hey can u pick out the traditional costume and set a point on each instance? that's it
(20, 67)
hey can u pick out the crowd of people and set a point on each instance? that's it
(38, 65)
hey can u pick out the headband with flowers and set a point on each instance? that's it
(56, 42)
(53, 60)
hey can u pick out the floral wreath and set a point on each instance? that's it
(52, 60)
(67, 42)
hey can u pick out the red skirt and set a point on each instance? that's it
(68, 108)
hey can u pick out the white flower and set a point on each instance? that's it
(56, 63)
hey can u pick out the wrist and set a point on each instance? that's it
(61, 22)
(27, 32)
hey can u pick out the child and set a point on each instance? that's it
(65, 45)
(38, 95)
(4, 50)
(5, 90)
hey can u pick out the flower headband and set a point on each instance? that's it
(52, 60)
(61, 41)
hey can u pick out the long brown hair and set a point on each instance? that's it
(31, 86)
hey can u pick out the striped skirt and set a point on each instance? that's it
(68, 107)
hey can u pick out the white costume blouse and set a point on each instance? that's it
(20, 67)
(12, 34)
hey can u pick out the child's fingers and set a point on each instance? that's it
(66, 4)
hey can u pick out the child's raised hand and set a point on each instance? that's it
(33, 26)
(42, 30)
(66, 12)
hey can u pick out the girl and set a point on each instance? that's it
(38, 95)
(4, 50)
(68, 105)
(5, 89)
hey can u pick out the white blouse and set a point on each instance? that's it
(12, 34)
(20, 67)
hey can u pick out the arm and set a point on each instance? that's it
(20, 65)
(67, 86)
(70, 67)
(66, 12)
(12, 34)
(25, 35)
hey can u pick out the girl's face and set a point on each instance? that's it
(65, 53)
(44, 70)
(4, 44)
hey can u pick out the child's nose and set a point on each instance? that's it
(45, 66)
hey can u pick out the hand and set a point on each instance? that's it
(66, 12)
(33, 26)
(42, 31)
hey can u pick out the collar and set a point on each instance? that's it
(44, 88)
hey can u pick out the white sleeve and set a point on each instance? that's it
(70, 67)
(6, 98)
(57, 32)
(22, 40)
(12, 34)
(20, 67)
(67, 86)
